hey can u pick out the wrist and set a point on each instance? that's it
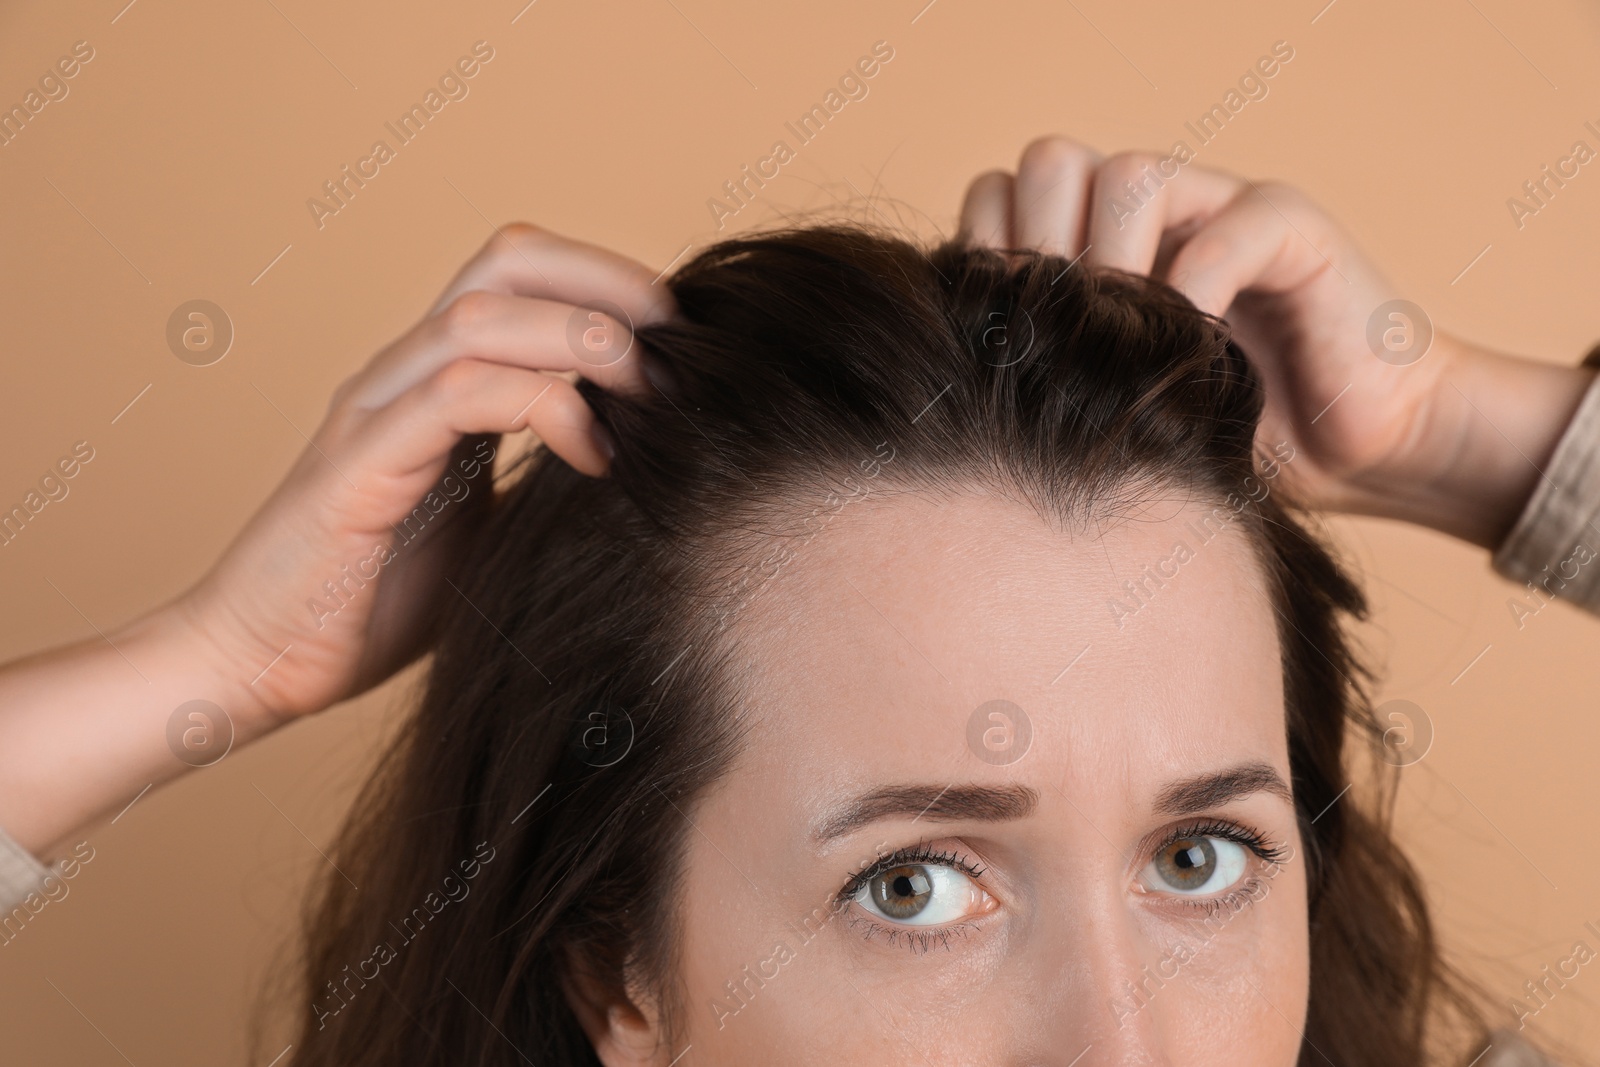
(1484, 436)
(86, 728)
(182, 641)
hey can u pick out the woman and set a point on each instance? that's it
(937, 676)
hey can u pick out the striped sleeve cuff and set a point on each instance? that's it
(1506, 1049)
(21, 875)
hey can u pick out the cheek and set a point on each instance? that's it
(1239, 996)
(758, 978)
(835, 1002)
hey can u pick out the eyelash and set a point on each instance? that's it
(1273, 855)
(1228, 831)
(918, 853)
(918, 941)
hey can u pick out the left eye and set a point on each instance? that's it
(1196, 866)
(921, 894)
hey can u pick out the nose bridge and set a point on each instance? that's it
(1099, 1009)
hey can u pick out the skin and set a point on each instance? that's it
(1454, 442)
(83, 727)
(871, 685)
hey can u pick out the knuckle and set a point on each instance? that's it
(517, 233)
(1205, 251)
(1283, 195)
(451, 381)
(467, 313)
(341, 396)
(1285, 206)
(344, 416)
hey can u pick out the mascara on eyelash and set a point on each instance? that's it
(1251, 839)
(914, 854)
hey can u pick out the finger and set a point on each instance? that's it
(1272, 245)
(1052, 195)
(516, 330)
(986, 210)
(410, 440)
(528, 260)
(1137, 196)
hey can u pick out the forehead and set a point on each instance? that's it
(1137, 649)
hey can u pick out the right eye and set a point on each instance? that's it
(922, 894)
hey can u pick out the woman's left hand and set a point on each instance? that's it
(1385, 414)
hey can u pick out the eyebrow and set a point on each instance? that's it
(937, 803)
(1190, 795)
(951, 803)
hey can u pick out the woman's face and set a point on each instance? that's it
(904, 868)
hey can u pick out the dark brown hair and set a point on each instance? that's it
(578, 698)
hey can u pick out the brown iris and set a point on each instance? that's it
(901, 892)
(1187, 863)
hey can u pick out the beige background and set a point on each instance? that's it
(179, 167)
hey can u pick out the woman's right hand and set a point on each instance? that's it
(333, 584)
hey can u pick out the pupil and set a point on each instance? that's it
(1188, 864)
(902, 892)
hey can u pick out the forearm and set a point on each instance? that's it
(84, 728)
